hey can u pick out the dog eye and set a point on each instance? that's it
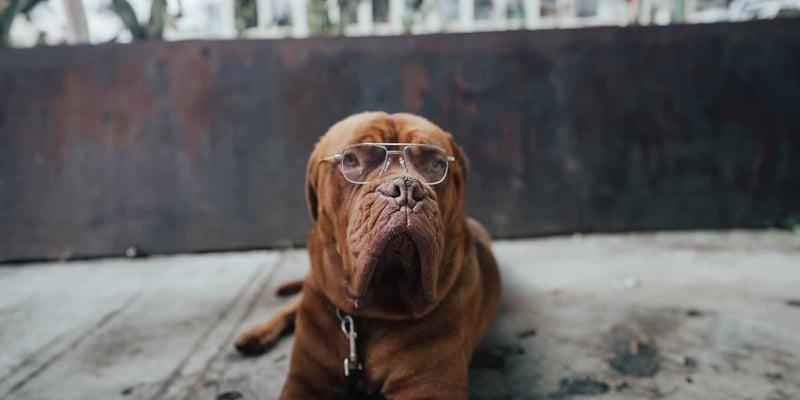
(438, 164)
(349, 160)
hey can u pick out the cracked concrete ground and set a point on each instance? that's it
(693, 315)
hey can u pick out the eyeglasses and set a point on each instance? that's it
(363, 162)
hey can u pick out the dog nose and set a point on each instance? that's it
(405, 190)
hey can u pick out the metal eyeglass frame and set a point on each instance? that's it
(401, 153)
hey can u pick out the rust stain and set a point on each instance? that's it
(416, 84)
(584, 114)
(193, 82)
(506, 147)
(295, 54)
(462, 95)
(308, 90)
(108, 111)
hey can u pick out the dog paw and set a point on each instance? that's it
(250, 346)
(257, 340)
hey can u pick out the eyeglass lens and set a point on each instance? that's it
(364, 162)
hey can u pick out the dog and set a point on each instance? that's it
(402, 285)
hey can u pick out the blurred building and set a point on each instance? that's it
(96, 21)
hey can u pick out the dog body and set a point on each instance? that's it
(401, 258)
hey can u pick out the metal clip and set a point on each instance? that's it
(349, 330)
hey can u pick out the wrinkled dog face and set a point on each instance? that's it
(384, 241)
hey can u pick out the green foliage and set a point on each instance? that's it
(318, 21)
(789, 13)
(10, 9)
(153, 30)
(246, 15)
(408, 17)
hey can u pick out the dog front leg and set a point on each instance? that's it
(314, 364)
(442, 378)
(309, 383)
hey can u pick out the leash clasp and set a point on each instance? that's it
(349, 329)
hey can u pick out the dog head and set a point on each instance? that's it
(387, 237)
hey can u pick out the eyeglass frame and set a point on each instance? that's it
(401, 153)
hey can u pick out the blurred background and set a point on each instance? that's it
(643, 156)
(33, 22)
(172, 145)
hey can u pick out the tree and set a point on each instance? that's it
(153, 30)
(10, 9)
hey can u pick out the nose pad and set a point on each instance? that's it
(388, 162)
(404, 190)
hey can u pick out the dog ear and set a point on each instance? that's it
(311, 184)
(461, 157)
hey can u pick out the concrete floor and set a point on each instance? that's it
(645, 316)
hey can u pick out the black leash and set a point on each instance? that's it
(350, 389)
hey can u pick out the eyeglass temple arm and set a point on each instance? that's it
(336, 156)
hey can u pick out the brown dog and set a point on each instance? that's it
(393, 259)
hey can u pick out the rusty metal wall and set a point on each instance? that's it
(200, 146)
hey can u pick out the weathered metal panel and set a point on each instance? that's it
(197, 146)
